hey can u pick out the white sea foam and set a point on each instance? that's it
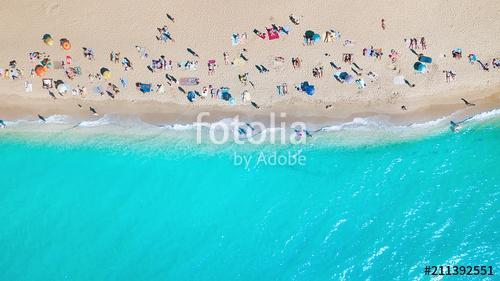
(366, 124)
(369, 261)
(58, 119)
(486, 115)
(180, 127)
(105, 120)
(355, 123)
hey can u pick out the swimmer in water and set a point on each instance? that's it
(455, 127)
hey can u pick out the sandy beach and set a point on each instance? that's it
(206, 28)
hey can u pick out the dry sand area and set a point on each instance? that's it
(206, 27)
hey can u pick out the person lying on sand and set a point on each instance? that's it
(294, 20)
(467, 103)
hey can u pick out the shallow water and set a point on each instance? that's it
(81, 205)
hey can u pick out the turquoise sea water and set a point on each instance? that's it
(154, 208)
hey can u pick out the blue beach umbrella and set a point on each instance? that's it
(419, 67)
(307, 88)
(226, 96)
(191, 96)
(346, 77)
(343, 75)
(310, 90)
(309, 34)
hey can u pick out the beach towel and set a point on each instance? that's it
(245, 96)
(145, 88)
(285, 29)
(189, 81)
(97, 90)
(272, 34)
(425, 59)
(239, 61)
(47, 83)
(188, 65)
(360, 83)
(399, 80)
(280, 90)
(235, 39)
(124, 82)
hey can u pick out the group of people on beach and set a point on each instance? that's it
(413, 43)
(163, 64)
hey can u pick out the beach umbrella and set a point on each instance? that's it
(309, 34)
(309, 89)
(105, 73)
(343, 75)
(245, 96)
(304, 85)
(419, 67)
(62, 88)
(65, 44)
(399, 80)
(191, 96)
(47, 39)
(40, 70)
(226, 96)
(316, 37)
(346, 77)
(424, 59)
(46, 62)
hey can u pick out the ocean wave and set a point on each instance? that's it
(357, 124)
(180, 127)
(57, 119)
(103, 121)
(485, 115)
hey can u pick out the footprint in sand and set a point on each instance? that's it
(52, 8)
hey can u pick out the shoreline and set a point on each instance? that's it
(381, 97)
(16, 108)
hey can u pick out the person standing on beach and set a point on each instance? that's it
(382, 23)
(423, 43)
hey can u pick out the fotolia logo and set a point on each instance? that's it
(253, 132)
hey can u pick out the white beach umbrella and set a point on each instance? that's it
(399, 80)
(62, 88)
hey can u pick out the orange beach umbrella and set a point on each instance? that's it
(40, 70)
(65, 44)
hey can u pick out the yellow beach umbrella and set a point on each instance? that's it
(105, 73)
(47, 39)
